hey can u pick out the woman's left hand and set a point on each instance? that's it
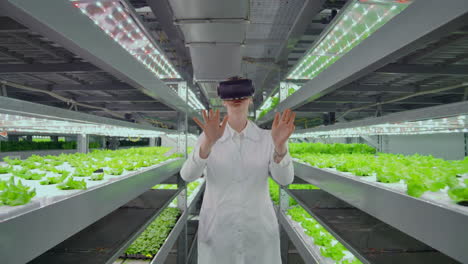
(282, 128)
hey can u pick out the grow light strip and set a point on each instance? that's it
(193, 100)
(357, 22)
(116, 20)
(455, 124)
(17, 123)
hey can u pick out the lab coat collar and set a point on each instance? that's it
(251, 131)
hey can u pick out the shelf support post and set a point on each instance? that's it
(82, 143)
(284, 239)
(182, 244)
(152, 142)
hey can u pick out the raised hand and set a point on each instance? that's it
(282, 128)
(212, 128)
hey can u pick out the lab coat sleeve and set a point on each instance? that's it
(282, 172)
(194, 165)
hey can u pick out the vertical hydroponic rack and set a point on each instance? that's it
(86, 74)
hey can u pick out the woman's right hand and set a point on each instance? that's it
(213, 130)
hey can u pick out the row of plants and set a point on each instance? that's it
(420, 174)
(274, 190)
(129, 143)
(149, 242)
(154, 236)
(64, 170)
(337, 148)
(6, 146)
(329, 246)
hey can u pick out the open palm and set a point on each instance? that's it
(283, 127)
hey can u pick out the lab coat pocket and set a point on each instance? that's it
(206, 225)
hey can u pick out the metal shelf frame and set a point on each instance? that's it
(339, 238)
(434, 112)
(366, 237)
(23, 108)
(107, 55)
(308, 254)
(61, 220)
(113, 233)
(433, 224)
(423, 22)
(175, 232)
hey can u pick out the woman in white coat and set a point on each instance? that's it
(237, 223)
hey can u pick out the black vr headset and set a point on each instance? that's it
(235, 89)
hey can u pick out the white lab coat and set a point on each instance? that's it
(237, 222)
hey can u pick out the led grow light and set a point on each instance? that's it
(454, 124)
(116, 20)
(193, 101)
(358, 21)
(25, 124)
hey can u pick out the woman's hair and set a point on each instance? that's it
(235, 78)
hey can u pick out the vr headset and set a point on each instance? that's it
(235, 89)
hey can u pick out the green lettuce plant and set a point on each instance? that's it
(15, 193)
(419, 173)
(53, 180)
(334, 252)
(5, 169)
(114, 171)
(97, 177)
(71, 184)
(12, 161)
(459, 194)
(83, 172)
(27, 174)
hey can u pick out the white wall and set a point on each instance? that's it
(446, 146)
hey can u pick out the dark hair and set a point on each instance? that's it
(235, 78)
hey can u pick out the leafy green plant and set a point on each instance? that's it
(12, 161)
(27, 174)
(459, 194)
(420, 173)
(130, 167)
(97, 177)
(3, 185)
(5, 169)
(83, 172)
(29, 165)
(6, 146)
(150, 241)
(94, 145)
(19, 172)
(114, 171)
(15, 193)
(353, 261)
(334, 252)
(328, 245)
(274, 103)
(54, 180)
(70, 184)
(50, 168)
